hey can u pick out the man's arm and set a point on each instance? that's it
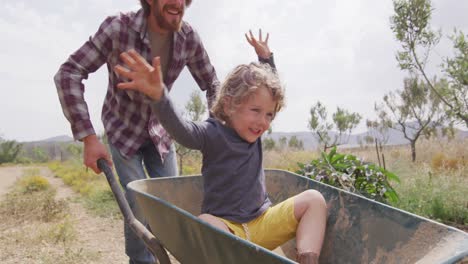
(70, 88)
(202, 70)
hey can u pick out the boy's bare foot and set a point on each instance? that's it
(308, 258)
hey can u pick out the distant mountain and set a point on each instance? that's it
(56, 139)
(62, 138)
(55, 148)
(307, 137)
(310, 141)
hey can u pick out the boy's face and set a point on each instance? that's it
(168, 14)
(253, 117)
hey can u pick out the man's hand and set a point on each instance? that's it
(261, 47)
(94, 150)
(143, 77)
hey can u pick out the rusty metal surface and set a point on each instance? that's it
(358, 230)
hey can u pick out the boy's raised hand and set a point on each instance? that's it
(260, 45)
(142, 77)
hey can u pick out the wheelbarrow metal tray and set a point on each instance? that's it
(359, 230)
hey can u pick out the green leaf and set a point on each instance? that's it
(332, 153)
(392, 176)
(337, 158)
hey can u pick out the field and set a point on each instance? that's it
(435, 186)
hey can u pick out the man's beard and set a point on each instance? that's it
(164, 24)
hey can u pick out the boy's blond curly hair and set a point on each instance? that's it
(242, 82)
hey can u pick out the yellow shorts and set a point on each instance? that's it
(274, 227)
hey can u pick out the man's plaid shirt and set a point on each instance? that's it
(127, 115)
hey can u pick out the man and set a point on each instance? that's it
(136, 139)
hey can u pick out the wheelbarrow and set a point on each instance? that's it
(359, 230)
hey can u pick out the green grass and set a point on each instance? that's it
(436, 194)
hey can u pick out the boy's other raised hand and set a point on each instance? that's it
(260, 45)
(142, 77)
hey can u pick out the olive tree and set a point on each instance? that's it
(343, 121)
(195, 109)
(415, 111)
(411, 25)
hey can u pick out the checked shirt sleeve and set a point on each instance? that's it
(202, 70)
(69, 78)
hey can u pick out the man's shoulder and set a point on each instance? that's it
(133, 19)
(188, 31)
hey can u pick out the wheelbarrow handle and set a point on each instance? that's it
(140, 230)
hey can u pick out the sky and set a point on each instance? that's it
(339, 52)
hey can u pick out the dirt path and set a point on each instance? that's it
(102, 236)
(8, 176)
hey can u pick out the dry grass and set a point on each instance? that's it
(287, 159)
(35, 226)
(94, 189)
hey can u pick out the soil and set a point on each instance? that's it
(102, 236)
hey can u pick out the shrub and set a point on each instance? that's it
(39, 206)
(347, 172)
(63, 232)
(102, 203)
(440, 161)
(33, 183)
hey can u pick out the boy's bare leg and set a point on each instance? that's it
(310, 209)
(214, 221)
(308, 258)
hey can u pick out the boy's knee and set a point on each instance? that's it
(315, 198)
(205, 217)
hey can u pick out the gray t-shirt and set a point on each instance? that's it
(233, 176)
(161, 46)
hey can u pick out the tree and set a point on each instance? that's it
(343, 121)
(410, 23)
(268, 144)
(414, 111)
(295, 143)
(195, 108)
(39, 154)
(75, 150)
(9, 150)
(282, 142)
(456, 69)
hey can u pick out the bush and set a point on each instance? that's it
(39, 206)
(440, 161)
(33, 183)
(63, 232)
(347, 172)
(102, 203)
(9, 150)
